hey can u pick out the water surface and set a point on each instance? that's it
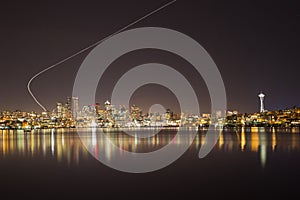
(245, 163)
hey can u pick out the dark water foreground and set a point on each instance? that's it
(245, 163)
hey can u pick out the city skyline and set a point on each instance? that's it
(73, 103)
(166, 99)
(69, 115)
(251, 51)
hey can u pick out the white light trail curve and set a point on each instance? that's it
(90, 46)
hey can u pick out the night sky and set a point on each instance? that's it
(255, 45)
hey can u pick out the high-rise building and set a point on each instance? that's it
(135, 112)
(89, 112)
(98, 109)
(68, 105)
(66, 110)
(108, 110)
(169, 114)
(75, 107)
(107, 105)
(59, 109)
(261, 98)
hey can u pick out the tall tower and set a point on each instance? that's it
(108, 111)
(68, 105)
(261, 98)
(59, 109)
(75, 107)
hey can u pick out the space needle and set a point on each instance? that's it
(261, 98)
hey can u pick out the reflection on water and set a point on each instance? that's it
(64, 145)
(60, 144)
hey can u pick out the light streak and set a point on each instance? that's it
(88, 47)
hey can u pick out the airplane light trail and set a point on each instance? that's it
(90, 46)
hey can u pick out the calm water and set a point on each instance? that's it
(245, 163)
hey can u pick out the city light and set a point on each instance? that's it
(69, 115)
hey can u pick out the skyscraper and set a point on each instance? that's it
(261, 98)
(68, 104)
(59, 109)
(135, 112)
(66, 111)
(75, 107)
(108, 110)
(107, 105)
(98, 109)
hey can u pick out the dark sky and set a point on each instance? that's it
(255, 45)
